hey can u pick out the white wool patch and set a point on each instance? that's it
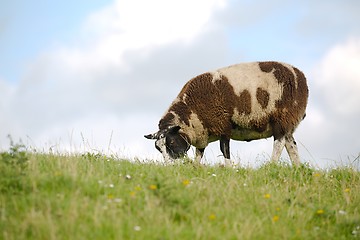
(216, 76)
(196, 132)
(248, 76)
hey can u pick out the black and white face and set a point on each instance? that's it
(170, 143)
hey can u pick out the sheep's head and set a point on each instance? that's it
(170, 142)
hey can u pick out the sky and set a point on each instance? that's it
(79, 76)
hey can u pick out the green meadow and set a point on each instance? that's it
(92, 196)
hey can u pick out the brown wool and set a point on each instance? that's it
(212, 99)
(294, 89)
(262, 97)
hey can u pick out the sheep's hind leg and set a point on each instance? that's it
(292, 149)
(277, 148)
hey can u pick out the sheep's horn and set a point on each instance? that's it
(152, 136)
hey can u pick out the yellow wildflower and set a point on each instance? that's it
(267, 196)
(212, 217)
(186, 182)
(320, 211)
(275, 218)
(347, 190)
(317, 174)
(152, 187)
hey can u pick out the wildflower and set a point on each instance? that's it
(111, 185)
(320, 212)
(137, 188)
(117, 200)
(137, 228)
(267, 196)
(317, 174)
(186, 182)
(347, 190)
(212, 217)
(132, 194)
(110, 196)
(127, 177)
(356, 231)
(277, 209)
(275, 218)
(342, 212)
(214, 175)
(152, 187)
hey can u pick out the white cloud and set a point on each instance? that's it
(156, 22)
(140, 25)
(106, 79)
(338, 76)
(332, 124)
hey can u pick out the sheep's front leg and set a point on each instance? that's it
(225, 146)
(292, 150)
(199, 154)
(225, 149)
(277, 148)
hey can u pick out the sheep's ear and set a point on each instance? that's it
(174, 129)
(152, 136)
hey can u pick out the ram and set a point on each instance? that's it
(242, 102)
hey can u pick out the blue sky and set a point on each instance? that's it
(30, 27)
(98, 75)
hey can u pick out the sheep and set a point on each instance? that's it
(243, 102)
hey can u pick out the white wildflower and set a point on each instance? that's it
(342, 212)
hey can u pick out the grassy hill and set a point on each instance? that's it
(90, 196)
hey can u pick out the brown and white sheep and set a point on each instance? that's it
(243, 102)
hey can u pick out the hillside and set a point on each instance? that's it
(91, 196)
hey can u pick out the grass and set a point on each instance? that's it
(91, 196)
